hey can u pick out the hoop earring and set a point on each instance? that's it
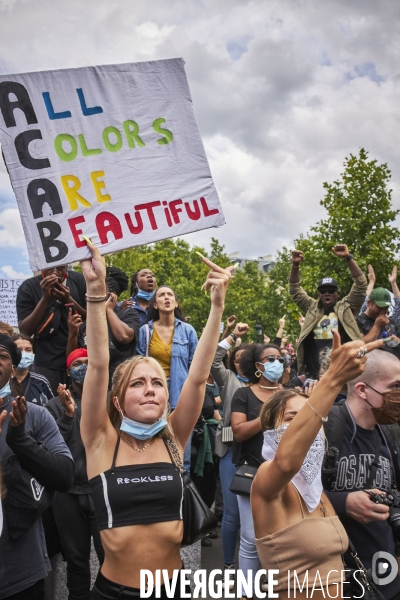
(258, 374)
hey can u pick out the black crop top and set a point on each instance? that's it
(137, 494)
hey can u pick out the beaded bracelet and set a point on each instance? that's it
(323, 419)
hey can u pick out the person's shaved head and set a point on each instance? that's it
(380, 366)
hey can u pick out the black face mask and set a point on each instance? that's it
(389, 412)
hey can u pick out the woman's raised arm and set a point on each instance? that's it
(273, 476)
(188, 410)
(95, 422)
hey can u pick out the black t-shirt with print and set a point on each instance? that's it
(356, 457)
(246, 402)
(118, 351)
(320, 338)
(50, 352)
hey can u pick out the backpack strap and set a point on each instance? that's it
(375, 465)
(334, 433)
(390, 438)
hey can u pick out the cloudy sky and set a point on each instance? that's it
(283, 91)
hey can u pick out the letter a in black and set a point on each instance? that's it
(23, 102)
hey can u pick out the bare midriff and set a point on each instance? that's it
(130, 549)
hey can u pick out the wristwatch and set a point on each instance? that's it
(233, 337)
(348, 257)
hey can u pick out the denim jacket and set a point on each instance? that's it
(184, 344)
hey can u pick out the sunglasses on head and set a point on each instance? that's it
(273, 358)
(327, 290)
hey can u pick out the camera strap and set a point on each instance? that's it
(375, 465)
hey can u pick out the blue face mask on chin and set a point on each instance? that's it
(26, 360)
(244, 379)
(273, 370)
(142, 431)
(6, 390)
(144, 295)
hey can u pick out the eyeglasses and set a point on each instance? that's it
(327, 290)
(273, 358)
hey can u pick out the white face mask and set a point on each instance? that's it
(308, 480)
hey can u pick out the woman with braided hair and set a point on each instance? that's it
(143, 285)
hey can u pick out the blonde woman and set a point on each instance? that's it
(137, 489)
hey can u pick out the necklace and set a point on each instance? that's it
(134, 447)
(322, 508)
(267, 387)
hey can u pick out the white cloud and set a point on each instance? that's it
(11, 232)
(12, 274)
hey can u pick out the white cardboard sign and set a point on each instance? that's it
(113, 153)
(8, 299)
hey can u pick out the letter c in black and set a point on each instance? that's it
(22, 142)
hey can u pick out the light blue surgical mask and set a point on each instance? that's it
(6, 390)
(144, 295)
(141, 431)
(244, 379)
(26, 360)
(273, 370)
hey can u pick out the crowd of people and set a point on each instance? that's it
(105, 402)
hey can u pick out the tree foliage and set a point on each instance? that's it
(176, 264)
(360, 214)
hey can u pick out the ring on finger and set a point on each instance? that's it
(362, 352)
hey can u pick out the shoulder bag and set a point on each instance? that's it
(51, 322)
(198, 520)
(244, 477)
(223, 439)
(359, 581)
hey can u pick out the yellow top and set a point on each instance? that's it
(161, 352)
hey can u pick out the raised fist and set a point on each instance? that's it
(297, 257)
(341, 250)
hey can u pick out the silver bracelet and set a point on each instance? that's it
(323, 419)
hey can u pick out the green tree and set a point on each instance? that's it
(360, 214)
(176, 264)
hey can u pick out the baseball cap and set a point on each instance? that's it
(381, 297)
(328, 281)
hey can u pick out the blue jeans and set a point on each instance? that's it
(230, 520)
(248, 557)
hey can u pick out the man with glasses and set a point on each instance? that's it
(326, 313)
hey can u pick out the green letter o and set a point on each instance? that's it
(118, 144)
(66, 156)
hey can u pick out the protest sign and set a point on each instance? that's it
(112, 153)
(8, 298)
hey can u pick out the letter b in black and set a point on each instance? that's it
(50, 241)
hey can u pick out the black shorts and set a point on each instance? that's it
(104, 589)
